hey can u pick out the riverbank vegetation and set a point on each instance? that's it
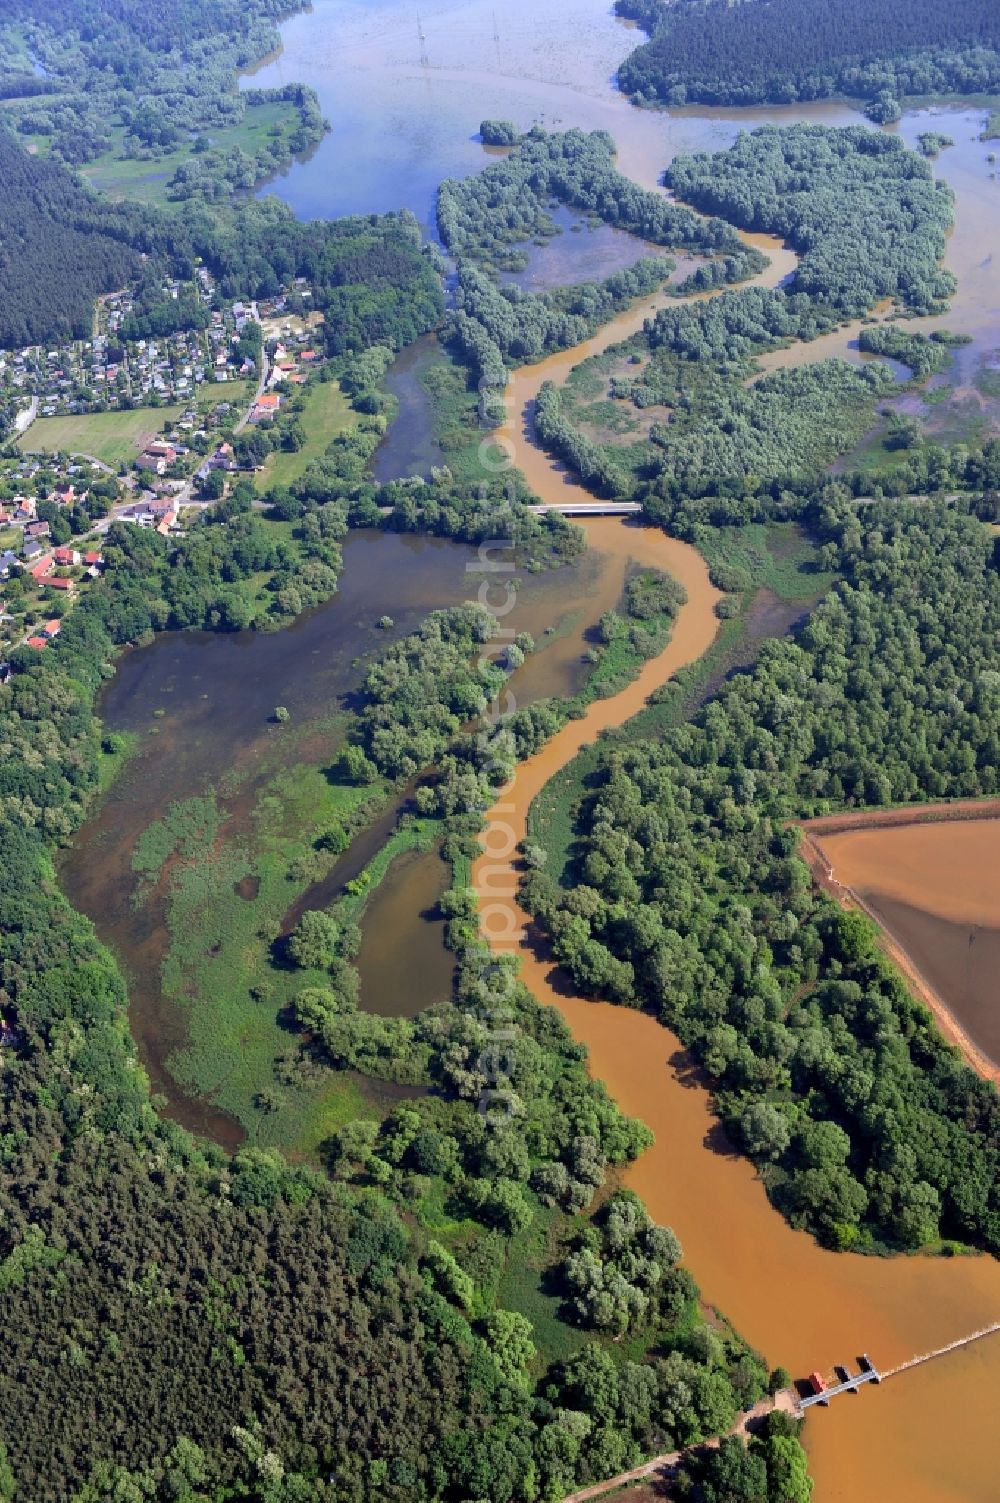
(810, 49)
(229, 1238)
(486, 219)
(866, 1127)
(683, 410)
(864, 212)
(148, 102)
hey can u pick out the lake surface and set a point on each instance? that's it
(405, 114)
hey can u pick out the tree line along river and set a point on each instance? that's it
(400, 124)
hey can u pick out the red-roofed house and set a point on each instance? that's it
(93, 560)
(38, 642)
(43, 568)
(265, 407)
(68, 585)
(51, 629)
(66, 557)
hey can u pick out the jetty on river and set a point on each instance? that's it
(823, 1392)
(663, 1467)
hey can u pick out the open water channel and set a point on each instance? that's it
(404, 109)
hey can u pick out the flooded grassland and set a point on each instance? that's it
(204, 851)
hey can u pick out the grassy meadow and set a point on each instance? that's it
(327, 413)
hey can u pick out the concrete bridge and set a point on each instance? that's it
(589, 508)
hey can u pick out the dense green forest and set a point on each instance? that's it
(864, 213)
(61, 246)
(159, 73)
(785, 50)
(452, 1303)
(686, 894)
(484, 221)
(485, 218)
(684, 409)
(161, 1301)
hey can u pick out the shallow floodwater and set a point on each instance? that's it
(582, 251)
(935, 888)
(409, 446)
(928, 1436)
(404, 109)
(202, 705)
(405, 113)
(403, 963)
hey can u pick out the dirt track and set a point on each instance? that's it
(823, 874)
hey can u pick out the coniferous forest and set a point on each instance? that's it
(783, 50)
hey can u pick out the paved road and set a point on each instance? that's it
(261, 384)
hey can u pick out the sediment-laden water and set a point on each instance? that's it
(405, 97)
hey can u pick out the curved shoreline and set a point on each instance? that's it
(796, 1301)
(847, 897)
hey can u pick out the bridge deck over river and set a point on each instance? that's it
(589, 508)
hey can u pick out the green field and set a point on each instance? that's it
(113, 437)
(327, 413)
(116, 438)
(237, 393)
(146, 181)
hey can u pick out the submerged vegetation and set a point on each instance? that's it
(447, 1246)
(485, 219)
(686, 410)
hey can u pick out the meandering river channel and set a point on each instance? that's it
(404, 110)
(928, 1437)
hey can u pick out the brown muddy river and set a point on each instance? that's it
(404, 112)
(202, 703)
(928, 1436)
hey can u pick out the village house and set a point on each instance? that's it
(66, 557)
(42, 569)
(265, 408)
(154, 464)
